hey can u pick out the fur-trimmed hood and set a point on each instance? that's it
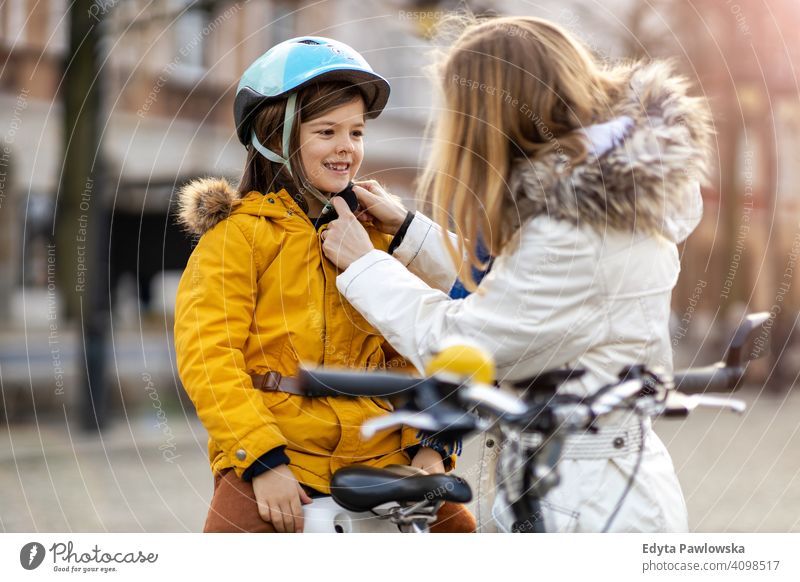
(642, 178)
(204, 202)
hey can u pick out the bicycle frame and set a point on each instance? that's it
(324, 515)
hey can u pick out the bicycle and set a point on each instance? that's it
(535, 422)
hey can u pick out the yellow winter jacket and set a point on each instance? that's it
(258, 295)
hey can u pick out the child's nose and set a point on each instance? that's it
(346, 146)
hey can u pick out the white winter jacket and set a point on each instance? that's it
(585, 283)
(564, 296)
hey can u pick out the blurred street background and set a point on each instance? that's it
(107, 107)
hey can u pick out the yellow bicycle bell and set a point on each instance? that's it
(462, 359)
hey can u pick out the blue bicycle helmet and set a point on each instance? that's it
(289, 66)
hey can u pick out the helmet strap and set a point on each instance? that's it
(268, 153)
(288, 122)
(288, 125)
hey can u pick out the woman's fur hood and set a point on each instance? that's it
(641, 179)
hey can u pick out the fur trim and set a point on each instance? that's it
(642, 179)
(204, 202)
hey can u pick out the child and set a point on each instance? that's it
(258, 298)
(580, 180)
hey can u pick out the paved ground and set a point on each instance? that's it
(739, 473)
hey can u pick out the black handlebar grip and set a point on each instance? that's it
(717, 378)
(356, 384)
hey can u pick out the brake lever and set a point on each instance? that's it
(679, 404)
(418, 420)
(496, 401)
(614, 398)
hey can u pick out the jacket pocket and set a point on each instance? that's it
(558, 518)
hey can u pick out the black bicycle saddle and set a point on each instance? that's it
(363, 488)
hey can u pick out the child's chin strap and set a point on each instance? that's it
(288, 122)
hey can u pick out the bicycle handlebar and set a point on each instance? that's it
(725, 376)
(716, 378)
(355, 384)
(435, 415)
(433, 396)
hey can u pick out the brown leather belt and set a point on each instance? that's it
(275, 382)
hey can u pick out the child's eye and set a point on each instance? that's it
(326, 132)
(358, 133)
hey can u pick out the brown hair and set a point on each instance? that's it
(514, 87)
(313, 101)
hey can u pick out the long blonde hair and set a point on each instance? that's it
(513, 87)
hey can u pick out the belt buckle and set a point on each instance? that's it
(271, 382)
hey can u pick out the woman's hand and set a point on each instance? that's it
(385, 210)
(345, 240)
(428, 460)
(280, 499)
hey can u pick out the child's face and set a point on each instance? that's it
(332, 147)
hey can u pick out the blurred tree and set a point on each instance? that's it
(83, 222)
(82, 225)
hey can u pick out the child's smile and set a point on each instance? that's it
(338, 167)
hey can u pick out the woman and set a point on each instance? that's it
(580, 180)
